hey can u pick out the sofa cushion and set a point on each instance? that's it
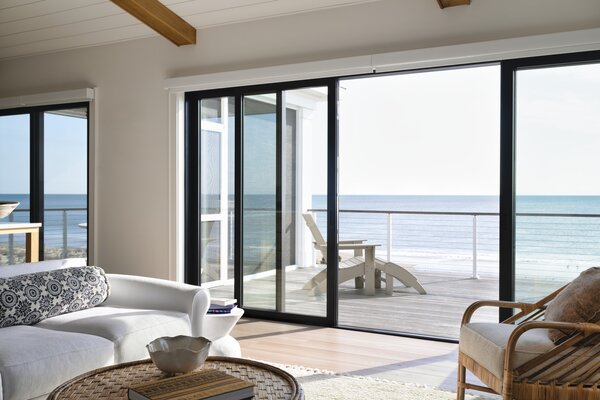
(578, 302)
(34, 361)
(486, 344)
(30, 298)
(129, 329)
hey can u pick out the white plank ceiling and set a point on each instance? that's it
(30, 27)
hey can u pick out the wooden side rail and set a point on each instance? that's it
(495, 303)
(525, 308)
(581, 331)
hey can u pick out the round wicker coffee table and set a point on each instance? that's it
(112, 382)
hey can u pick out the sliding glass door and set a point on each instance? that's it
(475, 182)
(216, 181)
(255, 219)
(284, 164)
(261, 268)
(557, 188)
(419, 180)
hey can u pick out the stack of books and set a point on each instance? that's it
(221, 305)
(206, 384)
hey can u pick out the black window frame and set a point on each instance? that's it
(36, 162)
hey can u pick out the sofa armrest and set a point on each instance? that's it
(159, 294)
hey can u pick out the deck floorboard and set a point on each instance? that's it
(437, 313)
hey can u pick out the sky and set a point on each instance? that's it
(424, 133)
(558, 130)
(65, 154)
(438, 132)
(429, 133)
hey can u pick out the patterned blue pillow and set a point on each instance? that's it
(28, 299)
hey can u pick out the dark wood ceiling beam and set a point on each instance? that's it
(452, 3)
(158, 17)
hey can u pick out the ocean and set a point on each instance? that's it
(435, 233)
(53, 224)
(555, 247)
(558, 247)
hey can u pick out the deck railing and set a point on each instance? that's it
(435, 240)
(470, 240)
(61, 229)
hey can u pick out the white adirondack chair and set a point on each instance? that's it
(354, 267)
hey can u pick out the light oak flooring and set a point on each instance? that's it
(395, 358)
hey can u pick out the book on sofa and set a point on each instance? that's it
(206, 384)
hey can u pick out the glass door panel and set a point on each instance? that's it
(557, 189)
(216, 194)
(259, 213)
(285, 182)
(14, 182)
(65, 183)
(304, 191)
(419, 178)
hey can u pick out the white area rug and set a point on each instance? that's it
(325, 385)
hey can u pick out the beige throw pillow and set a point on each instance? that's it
(578, 302)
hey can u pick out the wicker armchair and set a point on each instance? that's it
(517, 359)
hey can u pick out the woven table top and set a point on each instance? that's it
(112, 382)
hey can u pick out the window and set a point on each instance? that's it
(44, 166)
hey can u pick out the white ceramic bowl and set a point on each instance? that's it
(178, 354)
(6, 207)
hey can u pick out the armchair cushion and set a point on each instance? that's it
(578, 302)
(486, 344)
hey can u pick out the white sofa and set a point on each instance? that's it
(34, 359)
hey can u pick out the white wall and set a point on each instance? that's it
(132, 172)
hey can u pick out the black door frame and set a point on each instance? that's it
(192, 195)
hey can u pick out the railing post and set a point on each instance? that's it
(313, 253)
(11, 242)
(65, 231)
(231, 234)
(475, 275)
(389, 237)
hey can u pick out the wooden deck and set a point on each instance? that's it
(437, 313)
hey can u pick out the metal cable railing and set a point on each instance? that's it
(556, 244)
(65, 235)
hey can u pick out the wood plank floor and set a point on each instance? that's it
(395, 358)
(437, 313)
